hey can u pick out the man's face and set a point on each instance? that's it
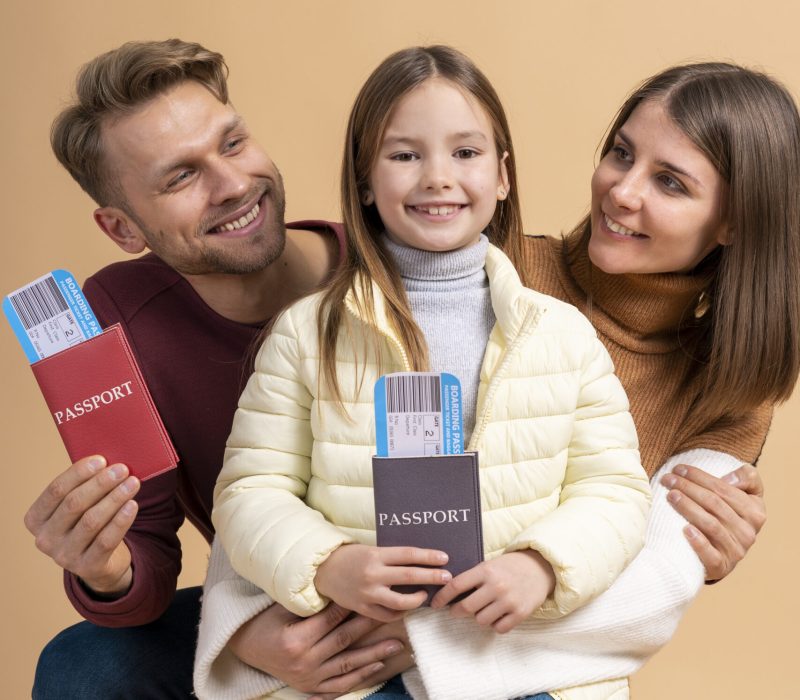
(198, 190)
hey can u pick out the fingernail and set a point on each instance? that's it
(669, 481)
(732, 478)
(674, 496)
(394, 648)
(118, 471)
(681, 470)
(129, 485)
(441, 558)
(95, 464)
(375, 668)
(691, 532)
(446, 576)
(128, 508)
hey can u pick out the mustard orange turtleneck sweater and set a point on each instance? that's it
(638, 317)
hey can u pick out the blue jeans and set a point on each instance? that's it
(103, 663)
(395, 690)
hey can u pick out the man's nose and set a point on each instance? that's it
(230, 181)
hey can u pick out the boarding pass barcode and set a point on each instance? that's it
(413, 394)
(38, 303)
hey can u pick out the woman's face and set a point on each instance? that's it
(656, 199)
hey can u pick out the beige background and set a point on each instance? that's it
(295, 67)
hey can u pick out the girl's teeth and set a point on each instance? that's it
(243, 221)
(619, 228)
(438, 211)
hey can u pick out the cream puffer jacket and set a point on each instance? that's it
(559, 467)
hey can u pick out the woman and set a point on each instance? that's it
(688, 266)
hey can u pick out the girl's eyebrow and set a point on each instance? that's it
(397, 139)
(660, 163)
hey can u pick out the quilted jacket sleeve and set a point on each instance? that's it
(272, 538)
(599, 524)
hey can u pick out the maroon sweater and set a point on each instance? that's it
(195, 363)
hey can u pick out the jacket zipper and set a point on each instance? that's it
(527, 327)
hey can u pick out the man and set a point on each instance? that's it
(154, 141)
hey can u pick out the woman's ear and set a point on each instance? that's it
(367, 198)
(119, 227)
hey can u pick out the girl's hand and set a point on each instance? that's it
(360, 578)
(724, 515)
(507, 590)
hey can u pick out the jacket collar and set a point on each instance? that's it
(511, 300)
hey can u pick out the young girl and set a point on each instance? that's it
(428, 157)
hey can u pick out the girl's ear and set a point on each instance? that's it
(118, 226)
(367, 198)
(503, 187)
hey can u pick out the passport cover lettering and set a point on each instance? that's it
(430, 502)
(101, 405)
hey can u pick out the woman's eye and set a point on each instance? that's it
(403, 157)
(466, 153)
(622, 153)
(670, 183)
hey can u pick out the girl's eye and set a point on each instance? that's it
(404, 156)
(466, 153)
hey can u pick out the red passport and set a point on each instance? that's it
(101, 405)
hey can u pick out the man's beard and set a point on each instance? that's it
(234, 257)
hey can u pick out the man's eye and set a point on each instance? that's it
(179, 179)
(233, 144)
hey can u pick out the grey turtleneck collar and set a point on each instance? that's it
(449, 297)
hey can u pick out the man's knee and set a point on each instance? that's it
(152, 661)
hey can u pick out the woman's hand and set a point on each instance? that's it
(724, 515)
(396, 664)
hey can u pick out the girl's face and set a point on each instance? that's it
(656, 199)
(437, 176)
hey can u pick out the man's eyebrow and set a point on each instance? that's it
(661, 163)
(235, 122)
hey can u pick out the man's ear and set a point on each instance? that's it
(119, 227)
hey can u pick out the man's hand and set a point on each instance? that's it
(319, 654)
(505, 590)
(724, 515)
(79, 521)
(360, 577)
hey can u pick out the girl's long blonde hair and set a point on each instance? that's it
(365, 260)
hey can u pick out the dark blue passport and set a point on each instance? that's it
(430, 502)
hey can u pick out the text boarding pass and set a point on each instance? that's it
(418, 414)
(49, 315)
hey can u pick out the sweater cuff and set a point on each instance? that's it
(145, 601)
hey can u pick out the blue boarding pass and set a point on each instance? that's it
(418, 414)
(49, 315)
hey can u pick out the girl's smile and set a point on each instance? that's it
(437, 177)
